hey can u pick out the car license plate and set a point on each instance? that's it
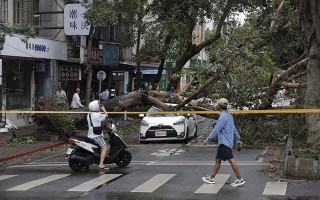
(160, 133)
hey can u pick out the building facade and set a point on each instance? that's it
(28, 68)
(35, 67)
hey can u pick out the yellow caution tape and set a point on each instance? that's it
(236, 112)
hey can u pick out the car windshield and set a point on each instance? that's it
(154, 112)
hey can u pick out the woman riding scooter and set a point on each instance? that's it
(94, 120)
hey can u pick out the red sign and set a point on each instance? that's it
(118, 76)
(96, 56)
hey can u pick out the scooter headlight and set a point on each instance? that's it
(144, 123)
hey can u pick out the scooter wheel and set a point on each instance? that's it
(124, 159)
(76, 165)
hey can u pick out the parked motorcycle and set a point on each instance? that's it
(83, 151)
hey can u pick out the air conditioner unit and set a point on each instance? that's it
(40, 67)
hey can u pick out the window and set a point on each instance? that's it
(3, 11)
(23, 12)
(17, 11)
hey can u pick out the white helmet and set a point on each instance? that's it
(94, 106)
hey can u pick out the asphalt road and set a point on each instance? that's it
(158, 171)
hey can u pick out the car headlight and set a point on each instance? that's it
(144, 123)
(179, 122)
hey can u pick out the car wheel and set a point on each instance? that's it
(196, 132)
(187, 135)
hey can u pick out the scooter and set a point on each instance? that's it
(83, 151)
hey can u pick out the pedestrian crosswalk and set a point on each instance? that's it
(275, 188)
(150, 185)
(220, 180)
(153, 183)
(35, 183)
(89, 185)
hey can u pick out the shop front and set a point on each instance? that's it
(27, 71)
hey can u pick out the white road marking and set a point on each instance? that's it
(39, 165)
(220, 180)
(89, 185)
(154, 183)
(149, 162)
(3, 177)
(201, 145)
(167, 152)
(275, 188)
(35, 183)
(198, 163)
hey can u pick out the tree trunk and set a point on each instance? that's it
(310, 22)
(89, 71)
(159, 74)
(138, 73)
(162, 61)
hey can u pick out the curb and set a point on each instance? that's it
(300, 167)
(23, 153)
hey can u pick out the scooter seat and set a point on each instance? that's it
(85, 139)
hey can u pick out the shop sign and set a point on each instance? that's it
(34, 48)
(96, 56)
(71, 73)
(75, 22)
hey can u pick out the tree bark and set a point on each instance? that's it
(310, 22)
(138, 73)
(148, 97)
(89, 70)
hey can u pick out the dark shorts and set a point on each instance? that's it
(224, 153)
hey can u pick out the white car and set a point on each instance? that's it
(158, 127)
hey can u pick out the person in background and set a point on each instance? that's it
(112, 117)
(92, 95)
(104, 95)
(76, 103)
(227, 132)
(61, 95)
(112, 94)
(96, 119)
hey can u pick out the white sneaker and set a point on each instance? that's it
(208, 179)
(238, 182)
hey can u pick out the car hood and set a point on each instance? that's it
(162, 120)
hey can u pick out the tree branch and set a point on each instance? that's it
(267, 101)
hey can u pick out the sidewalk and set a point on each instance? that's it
(14, 150)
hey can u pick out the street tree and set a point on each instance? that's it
(309, 12)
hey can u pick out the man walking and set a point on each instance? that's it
(76, 102)
(227, 132)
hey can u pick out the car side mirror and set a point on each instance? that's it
(141, 115)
